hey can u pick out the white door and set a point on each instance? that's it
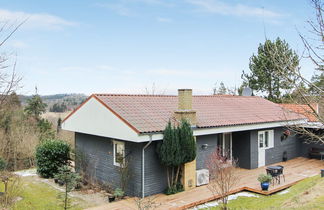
(261, 150)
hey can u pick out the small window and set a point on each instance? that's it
(261, 140)
(266, 139)
(119, 153)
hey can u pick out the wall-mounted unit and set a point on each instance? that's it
(202, 177)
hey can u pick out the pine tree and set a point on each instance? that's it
(177, 148)
(187, 142)
(272, 70)
(35, 106)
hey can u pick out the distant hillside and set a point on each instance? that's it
(59, 102)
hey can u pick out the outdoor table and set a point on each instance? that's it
(274, 172)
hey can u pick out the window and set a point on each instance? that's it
(224, 143)
(119, 153)
(266, 139)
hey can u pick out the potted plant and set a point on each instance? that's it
(264, 181)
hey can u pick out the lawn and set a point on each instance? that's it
(307, 194)
(38, 195)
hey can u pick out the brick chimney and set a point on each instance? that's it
(185, 110)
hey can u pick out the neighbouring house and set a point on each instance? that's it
(110, 128)
(310, 147)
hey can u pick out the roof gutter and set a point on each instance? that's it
(143, 166)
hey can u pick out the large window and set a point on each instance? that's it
(224, 142)
(119, 153)
(266, 139)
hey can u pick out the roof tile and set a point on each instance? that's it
(150, 113)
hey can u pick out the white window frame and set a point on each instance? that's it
(270, 138)
(114, 151)
(223, 144)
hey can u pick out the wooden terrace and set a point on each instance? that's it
(295, 170)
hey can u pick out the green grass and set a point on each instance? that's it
(295, 199)
(38, 195)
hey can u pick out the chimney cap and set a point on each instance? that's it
(185, 89)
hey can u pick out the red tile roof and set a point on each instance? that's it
(303, 109)
(150, 113)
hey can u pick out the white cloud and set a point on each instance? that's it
(118, 8)
(35, 20)
(18, 44)
(129, 7)
(218, 7)
(163, 20)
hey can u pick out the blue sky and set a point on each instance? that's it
(124, 46)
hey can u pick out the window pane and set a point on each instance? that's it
(266, 139)
(119, 153)
(220, 142)
(261, 140)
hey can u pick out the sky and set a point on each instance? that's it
(129, 46)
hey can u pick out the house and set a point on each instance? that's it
(112, 127)
(311, 147)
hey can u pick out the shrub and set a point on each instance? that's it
(50, 156)
(119, 193)
(3, 164)
(264, 178)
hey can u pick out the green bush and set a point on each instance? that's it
(3, 164)
(50, 156)
(119, 193)
(264, 178)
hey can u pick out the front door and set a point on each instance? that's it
(261, 150)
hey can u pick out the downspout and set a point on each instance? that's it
(143, 165)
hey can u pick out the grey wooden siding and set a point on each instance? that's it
(98, 152)
(305, 147)
(241, 148)
(291, 145)
(274, 155)
(202, 154)
(155, 173)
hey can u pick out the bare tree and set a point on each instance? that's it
(306, 92)
(9, 80)
(222, 174)
(153, 90)
(147, 203)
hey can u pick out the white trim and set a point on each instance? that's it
(270, 138)
(114, 151)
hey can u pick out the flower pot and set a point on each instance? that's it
(265, 186)
(111, 198)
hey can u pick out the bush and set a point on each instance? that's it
(264, 178)
(3, 164)
(50, 156)
(119, 193)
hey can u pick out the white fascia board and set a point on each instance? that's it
(227, 129)
(236, 128)
(96, 119)
(316, 125)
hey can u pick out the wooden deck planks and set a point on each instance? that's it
(295, 170)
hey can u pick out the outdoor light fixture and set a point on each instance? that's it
(204, 146)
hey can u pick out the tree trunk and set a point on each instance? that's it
(66, 194)
(177, 174)
(168, 177)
